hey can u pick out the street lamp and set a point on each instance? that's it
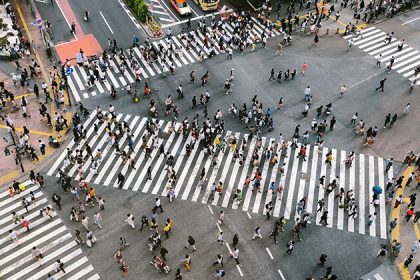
(18, 159)
(66, 84)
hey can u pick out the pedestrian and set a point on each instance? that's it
(321, 204)
(190, 243)
(163, 251)
(178, 274)
(268, 209)
(37, 255)
(290, 247)
(393, 224)
(221, 218)
(97, 219)
(328, 273)
(324, 218)
(219, 273)
(58, 265)
(124, 268)
(322, 259)
(235, 240)
(187, 262)
(235, 255)
(158, 205)
(13, 234)
(372, 218)
(398, 201)
(272, 73)
(130, 220)
(304, 68)
(257, 233)
(275, 232)
(144, 221)
(120, 180)
(416, 216)
(412, 198)
(220, 238)
(167, 227)
(219, 260)
(408, 260)
(416, 246)
(56, 199)
(381, 85)
(409, 214)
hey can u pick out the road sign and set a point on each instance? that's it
(69, 71)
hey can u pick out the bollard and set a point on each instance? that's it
(328, 30)
(338, 30)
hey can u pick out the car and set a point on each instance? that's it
(181, 7)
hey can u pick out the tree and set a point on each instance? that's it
(141, 10)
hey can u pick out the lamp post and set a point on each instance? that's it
(19, 160)
(66, 84)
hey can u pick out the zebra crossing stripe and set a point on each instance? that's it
(78, 81)
(382, 210)
(312, 179)
(321, 188)
(371, 163)
(83, 272)
(350, 226)
(14, 206)
(331, 195)
(74, 90)
(263, 184)
(70, 145)
(361, 194)
(399, 55)
(391, 46)
(286, 161)
(254, 170)
(291, 188)
(22, 211)
(342, 184)
(215, 171)
(159, 162)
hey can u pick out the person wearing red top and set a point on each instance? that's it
(410, 213)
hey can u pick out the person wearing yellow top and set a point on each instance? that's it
(167, 227)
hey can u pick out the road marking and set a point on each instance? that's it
(410, 21)
(239, 269)
(195, 18)
(269, 253)
(249, 216)
(168, 9)
(211, 210)
(218, 226)
(109, 27)
(129, 14)
(68, 23)
(378, 277)
(281, 274)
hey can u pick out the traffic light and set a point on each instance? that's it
(6, 151)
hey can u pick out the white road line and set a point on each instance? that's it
(342, 184)
(351, 187)
(74, 90)
(129, 14)
(312, 180)
(64, 15)
(286, 160)
(195, 18)
(361, 213)
(106, 22)
(331, 196)
(382, 210)
(249, 216)
(302, 180)
(320, 188)
(211, 210)
(291, 187)
(281, 274)
(269, 253)
(410, 21)
(372, 228)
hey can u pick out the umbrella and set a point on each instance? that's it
(377, 189)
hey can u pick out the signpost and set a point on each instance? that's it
(69, 71)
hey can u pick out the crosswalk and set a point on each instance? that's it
(300, 178)
(78, 79)
(159, 12)
(371, 41)
(48, 234)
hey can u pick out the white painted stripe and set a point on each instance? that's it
(352, 179)
(29, 186)
(29, 258)
(411, 66)
(302, 181)
(331, 196)
(122, 81)
(160, 160)
(85, 95)
(321, 189)
(367, 36)
(225, 171)
(108, 162)
(12, 207)
(83, 72)
(47, 257)
(180, 181)
(163, 176)
(269, 196)
(378, 277)
(371, 168)
(140, 57)
(73, 90)
(361, 213)
(291, 186)
(269, 253)
(312, 180)
(374, 42)
(382, 46)
(254, 170)
(211, 210)
(78, 81)
(117, 164)
(340, 215)
(99, 86)
(94, 277)
(281, 274)
(173, 55)
(6, 193)
(398, 55)
(178, 161)
(106, 22)
(197, 190)
(22, 211)
(264, 186)
(187, 54)
(193, 175)
(215, 171)
(382, 211)
(286, 160)
(83, 272)
(111, 76)
(398, 65)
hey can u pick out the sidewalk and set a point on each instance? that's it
(39, 130)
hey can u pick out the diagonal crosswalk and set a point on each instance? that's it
(372, 41)
(48, 234)
(299, 178)
(78, 79)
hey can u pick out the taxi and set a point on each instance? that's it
(181, 7)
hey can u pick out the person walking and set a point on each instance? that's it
(120, 180)
(58, 265)
(130, 220)
(190, 243)
(393, 224)
(235, 255)
(158, 205)
(187, 262)
(322, 259)
(408, 260)
(144, 221)
(381, 85)
(290, 247)
(235, 240)
(324, 218)
(275, 232)
(257, 233)
(415, 247)
(97, 219)
(56, 200)
(37, 255)
(372, 218)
